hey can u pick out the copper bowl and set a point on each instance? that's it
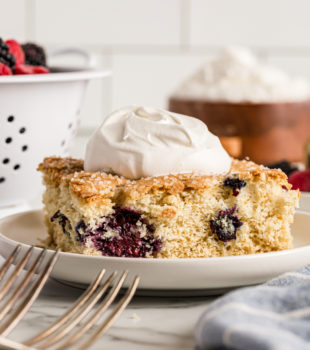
(266, 132)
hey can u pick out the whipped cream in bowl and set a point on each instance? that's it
(237, 75)
(137, 141)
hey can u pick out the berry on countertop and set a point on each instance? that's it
(27, 69)
(5, 70)
(300, 180)
(5, 55)
(34, 54)
(16, 50)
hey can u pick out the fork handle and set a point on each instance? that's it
(8, 344)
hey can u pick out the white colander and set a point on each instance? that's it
(38, 118)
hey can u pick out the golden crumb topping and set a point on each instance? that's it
(56, 167)
(91, 186)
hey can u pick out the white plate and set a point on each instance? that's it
(304, 202)
(204, 275)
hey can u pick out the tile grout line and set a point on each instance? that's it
(30, 20)
(107, 91)
(110, 50)
(185, 24)
(112, 84)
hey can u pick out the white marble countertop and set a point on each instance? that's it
(147, 323)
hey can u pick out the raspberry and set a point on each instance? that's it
(5, 70)
(40, 70)
(16, 50)
(34, 54)
(24, 69)
(300, 180)
(27, 69)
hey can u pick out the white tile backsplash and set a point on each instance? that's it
(107, 22)
(97, 101)
(13, 23)
(260, 23)
(149, 79)
(152, 45)
(295, 65)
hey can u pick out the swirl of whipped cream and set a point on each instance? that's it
(140, 142)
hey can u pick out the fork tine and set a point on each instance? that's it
(21, 286)
(77, 305)
(121, 305)
(18, 268)
(9, 261)
(29, 298)
(80, 314)
(7, 344)
(93, 319)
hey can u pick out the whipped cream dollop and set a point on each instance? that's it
(140, 142)
(236, 75)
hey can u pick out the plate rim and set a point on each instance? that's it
(154, 260)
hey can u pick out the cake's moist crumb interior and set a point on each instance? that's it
(246, 211)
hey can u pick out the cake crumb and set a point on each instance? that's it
(135, 317)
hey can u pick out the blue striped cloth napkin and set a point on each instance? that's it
(272, 316)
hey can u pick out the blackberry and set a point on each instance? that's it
(226, 224)
(235, 183)
(34, 54)
(5, 56)
(63, 222)
(124, 233)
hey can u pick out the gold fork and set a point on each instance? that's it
(68, 330)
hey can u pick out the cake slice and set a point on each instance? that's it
(247, 211)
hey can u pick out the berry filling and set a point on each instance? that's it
(63, 222)
(235, 183)
(125, 233)
(226, 224)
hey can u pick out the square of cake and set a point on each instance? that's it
(247, 210)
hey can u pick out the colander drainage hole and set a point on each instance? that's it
(8, 140)
(24, 148)
(16, 166)
(6, 161)
(10, 119)
(22, 130)
(2, 179)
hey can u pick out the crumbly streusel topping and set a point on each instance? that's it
(91, 186)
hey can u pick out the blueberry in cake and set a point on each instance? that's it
(116, 208)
